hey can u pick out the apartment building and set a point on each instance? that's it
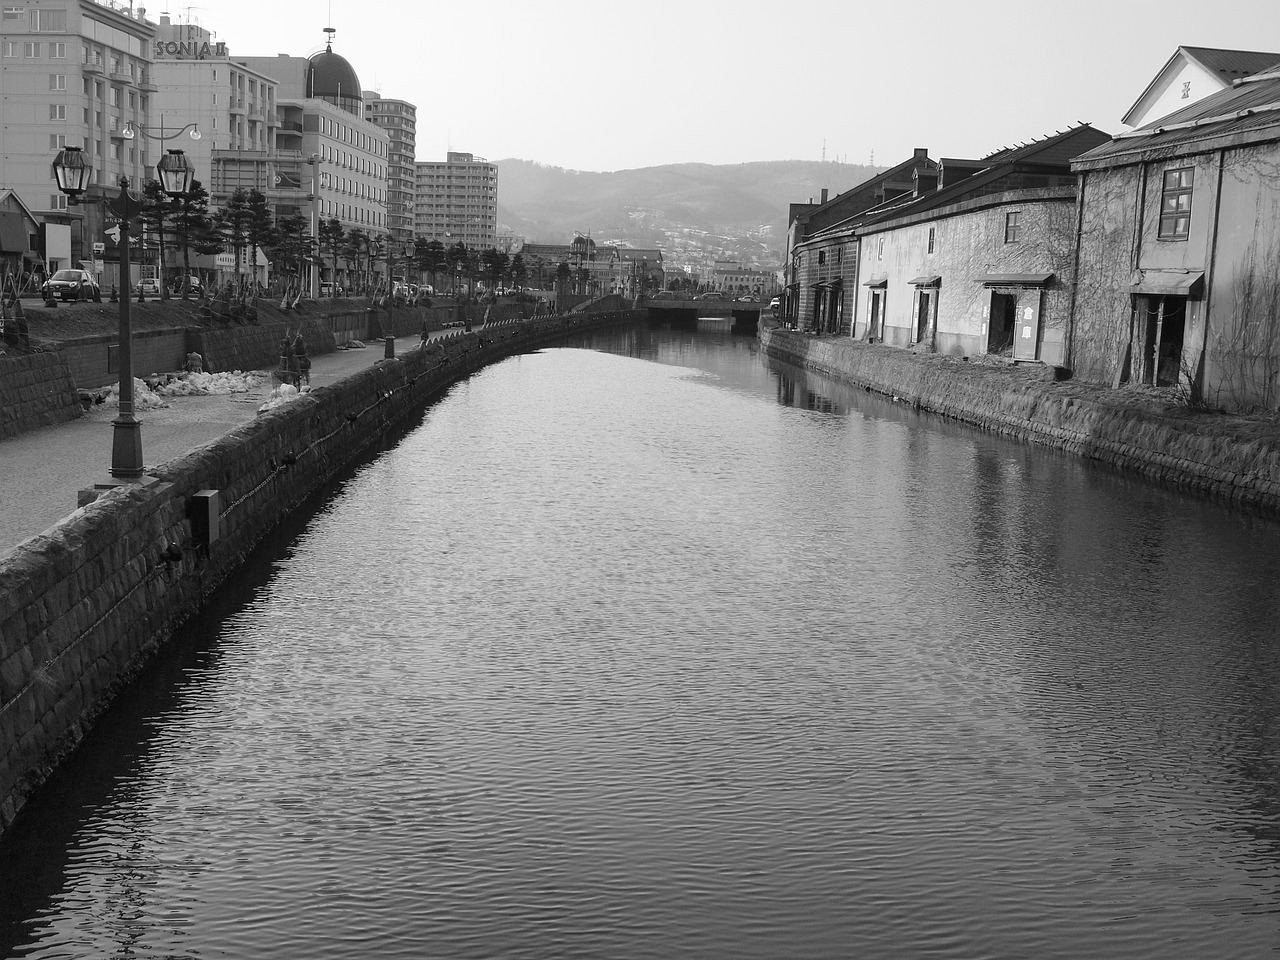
(457, 200)
(73, 73)
(399, 119)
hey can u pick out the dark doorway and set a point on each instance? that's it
(922, 315)
(1004, 316)
(875, 325)
(1162, 352)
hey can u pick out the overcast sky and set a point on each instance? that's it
(617, 85)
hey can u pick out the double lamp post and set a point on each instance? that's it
(72, 171)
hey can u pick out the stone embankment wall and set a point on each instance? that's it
(36, 390)
(83, 605)
(1205, 453)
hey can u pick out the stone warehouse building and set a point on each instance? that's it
(1179, 251)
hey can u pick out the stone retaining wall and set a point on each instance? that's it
(36, 390)
(1205, 453)
(83, 605)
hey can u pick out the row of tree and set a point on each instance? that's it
(246, 224)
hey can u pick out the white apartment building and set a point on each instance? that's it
(399, 119)
(457, 200)
(72, 73)
(320, 110)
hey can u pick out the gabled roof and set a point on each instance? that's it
(866, 188)
(1246, 112)
(1226, 65)
(1050, 156)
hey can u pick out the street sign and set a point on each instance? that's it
(99, 248)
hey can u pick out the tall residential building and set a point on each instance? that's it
(399, 120)
(72, 73)
(457, 200)
(198, 82)
(321, 113)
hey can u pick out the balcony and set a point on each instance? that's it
(237, 107)
(94, 67)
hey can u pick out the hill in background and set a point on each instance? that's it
(648, 205)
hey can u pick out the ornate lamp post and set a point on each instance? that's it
(72, 171)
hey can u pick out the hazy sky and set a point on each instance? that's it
(616, 85)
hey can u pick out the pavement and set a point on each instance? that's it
(43, 471)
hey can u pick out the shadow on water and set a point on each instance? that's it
(35, 852)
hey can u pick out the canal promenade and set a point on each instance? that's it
(42, 471)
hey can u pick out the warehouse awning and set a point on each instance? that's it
(931, 281)
(1169, 283)
(1016, 279)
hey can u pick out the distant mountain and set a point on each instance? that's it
(549, 204)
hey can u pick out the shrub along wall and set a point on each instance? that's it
(1209, 454)
(83, 605)
(36, 390)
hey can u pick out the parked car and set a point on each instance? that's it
(746, 299)
(710, 295)
(194, 285)
(71, 285)
(147, 286)
(775, 305)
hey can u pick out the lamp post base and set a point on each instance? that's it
(126, 448)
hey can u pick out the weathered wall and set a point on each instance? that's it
(1027, 403)
(969, 242)
(92, 360)
(36, 390)
(84, 604)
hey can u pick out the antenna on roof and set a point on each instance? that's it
(328, 43)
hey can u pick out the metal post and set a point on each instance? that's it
(126, 441)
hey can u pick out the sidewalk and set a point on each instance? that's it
(42, 471)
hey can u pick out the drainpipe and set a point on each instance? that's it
(1069, 347)
(1208, 278)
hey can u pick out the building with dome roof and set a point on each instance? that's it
(340, 156)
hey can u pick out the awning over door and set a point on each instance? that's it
(1169, 283)
(876, 284)
(1016, 279)
(925, 281)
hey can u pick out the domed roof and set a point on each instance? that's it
(330, 77)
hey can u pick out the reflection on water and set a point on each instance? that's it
(659, 648)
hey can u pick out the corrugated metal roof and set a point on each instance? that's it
(1232, 64)
(1250, 108)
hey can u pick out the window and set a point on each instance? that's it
(57, 141)
(31, 50)
(1012, 227)
(1175, 204)
(49, 21)
(58, 51)
(57, 201)
(10, 48)
(57, 111)
(880, 248)
(57, 81)
(931, 237)
(115, 96)
(822, 257)
(14, 13)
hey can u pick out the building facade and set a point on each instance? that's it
(399, 119)
(1179, 252)
(457, 201)
(74, 73)
(329, 157)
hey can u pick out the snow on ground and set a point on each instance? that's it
(149, 397)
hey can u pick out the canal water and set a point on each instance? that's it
(650, 647)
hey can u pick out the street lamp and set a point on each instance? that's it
(72, 171)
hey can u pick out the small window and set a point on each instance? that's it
(10, 48)
(57, 111)
(822, 257)
(1175, 204)
(57, 201)
(58, 51)
(1012, 227)
(57, 141)
(57, 81)
(880, 248)
(14, 13)
(931, 237)
(30, 50)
